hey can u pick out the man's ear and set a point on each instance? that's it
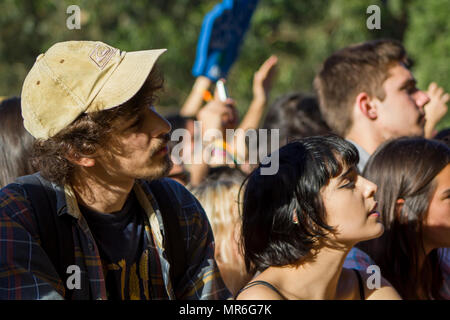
(77, 159)
(366, 105)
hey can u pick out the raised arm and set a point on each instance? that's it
(215, 116)
(262, 83)
(436, 109)
(194, 101)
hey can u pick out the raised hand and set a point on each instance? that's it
(436, 109)
(262, 80)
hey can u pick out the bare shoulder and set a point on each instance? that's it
(259, 292)
(378, 288)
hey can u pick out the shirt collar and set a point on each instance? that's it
(363, 155)
(66, 202)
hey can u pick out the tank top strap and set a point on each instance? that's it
(362, 295)
(259, 282)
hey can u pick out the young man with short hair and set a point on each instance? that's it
(368, 95)
(101, 149)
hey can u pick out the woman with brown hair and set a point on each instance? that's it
(15, 143)
(413, 178)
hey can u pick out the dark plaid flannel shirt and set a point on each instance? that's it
(26, 271)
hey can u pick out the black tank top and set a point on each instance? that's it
(267, 284)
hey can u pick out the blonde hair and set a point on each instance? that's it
(220, 200)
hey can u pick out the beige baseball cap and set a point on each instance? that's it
(76, 77)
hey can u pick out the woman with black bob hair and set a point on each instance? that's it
(300, 223)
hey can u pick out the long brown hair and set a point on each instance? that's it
(15, 143)
(405, 168)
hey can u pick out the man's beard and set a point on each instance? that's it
(164, 165)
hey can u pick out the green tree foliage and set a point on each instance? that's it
(302, 33)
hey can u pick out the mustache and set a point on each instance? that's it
(162, 142)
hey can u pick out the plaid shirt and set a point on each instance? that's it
(26, 271)
(358, 259)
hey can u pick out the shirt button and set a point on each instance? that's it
(91, 246)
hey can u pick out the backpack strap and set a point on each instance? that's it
(55, 231)
(174, 243)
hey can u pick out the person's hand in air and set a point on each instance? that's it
(218, 115)
(436, 109)
(263, 78)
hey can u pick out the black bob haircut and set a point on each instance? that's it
(269, 235)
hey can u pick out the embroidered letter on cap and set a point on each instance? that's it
(102, 54)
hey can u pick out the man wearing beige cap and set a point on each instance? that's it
(98, 221)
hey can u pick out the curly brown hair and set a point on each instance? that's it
(88, 132)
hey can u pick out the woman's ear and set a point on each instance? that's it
(295, 217)
(399, 206)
